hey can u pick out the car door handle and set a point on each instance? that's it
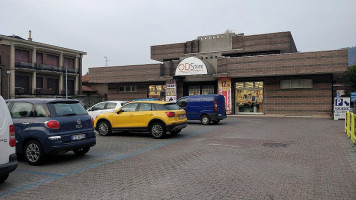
(131, 115)
(25, 123)
(151, 114)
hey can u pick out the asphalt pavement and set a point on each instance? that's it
(240, 158)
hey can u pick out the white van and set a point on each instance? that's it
(8, 159)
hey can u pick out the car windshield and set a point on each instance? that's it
(68, 108)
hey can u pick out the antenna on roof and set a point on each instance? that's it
(106, 61)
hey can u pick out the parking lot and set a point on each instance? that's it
(240, 158)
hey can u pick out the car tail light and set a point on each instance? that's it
(12, 140)
(170, 114)
(53, 124)
(92, 122)
(215, 105)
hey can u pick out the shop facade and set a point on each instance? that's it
(257, 74)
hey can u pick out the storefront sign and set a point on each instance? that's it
(171, 91)
(224, 85)
(341, 105)
(191, 66)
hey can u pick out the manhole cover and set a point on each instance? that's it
(274, 144)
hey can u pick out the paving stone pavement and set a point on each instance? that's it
(225, 161)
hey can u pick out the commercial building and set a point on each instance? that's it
(257, 74)
(29, 68)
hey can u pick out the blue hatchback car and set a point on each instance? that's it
(206, 108)
(45, 126)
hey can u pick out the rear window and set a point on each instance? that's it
(168, 106)
(68, 108)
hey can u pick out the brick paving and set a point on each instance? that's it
(225, 161)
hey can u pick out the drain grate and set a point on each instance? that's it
(274, 145)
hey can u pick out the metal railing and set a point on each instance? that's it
(350, 125)
(47, 67)
(23, 64)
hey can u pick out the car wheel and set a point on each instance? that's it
(3, 178)
(216, 121)
(104, 128)
(158, 130)
(34, 153)
(82, 151)
(205, 119)
(175, 132)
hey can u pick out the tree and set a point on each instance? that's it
(349, 77)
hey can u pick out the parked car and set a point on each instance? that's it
(45, 126)
(157, 117)
(206, 108)
(146, 99)
(8, 159)
(104, 107)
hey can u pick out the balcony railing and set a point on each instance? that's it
(47, 67)
(21, 64)
(69, 70)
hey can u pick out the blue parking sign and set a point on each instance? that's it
(339, 102)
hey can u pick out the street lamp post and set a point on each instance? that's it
(66, 81)
(8, 85)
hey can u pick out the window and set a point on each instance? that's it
(296, 83)
(157, 91)
(68, 62)
(68, 108)
(99, 106)
(129, 107)
(208, 89)
(145, 107)
(111, 106)
(22, 55)
(194, 90)
(168, 106)
(127, 89)
(21, 110)
(53, 60)
(41, 110)
(182, 103)
(39, 58)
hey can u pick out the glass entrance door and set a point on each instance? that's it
(249, 97)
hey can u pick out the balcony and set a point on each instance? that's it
(47, 67)
(70, 70)
(20, 64)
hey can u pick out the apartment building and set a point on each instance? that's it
(33, 69)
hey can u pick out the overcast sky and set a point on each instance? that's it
(124, 30)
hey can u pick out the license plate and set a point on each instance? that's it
(78, 137)
(180, 116)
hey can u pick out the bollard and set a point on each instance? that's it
(353, 138)
(346, 114)
(348, 123)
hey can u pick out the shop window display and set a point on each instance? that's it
(249, 97)
(157, 91)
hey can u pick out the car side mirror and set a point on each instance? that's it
(119, 111)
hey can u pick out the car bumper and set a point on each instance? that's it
(216, 116)
(174, 127)
(62, 147)
(10, 166)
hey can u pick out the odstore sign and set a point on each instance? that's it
(191, 66)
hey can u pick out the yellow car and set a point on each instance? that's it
(157, 117)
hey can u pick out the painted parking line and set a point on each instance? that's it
(117, 158)
(38, 173)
